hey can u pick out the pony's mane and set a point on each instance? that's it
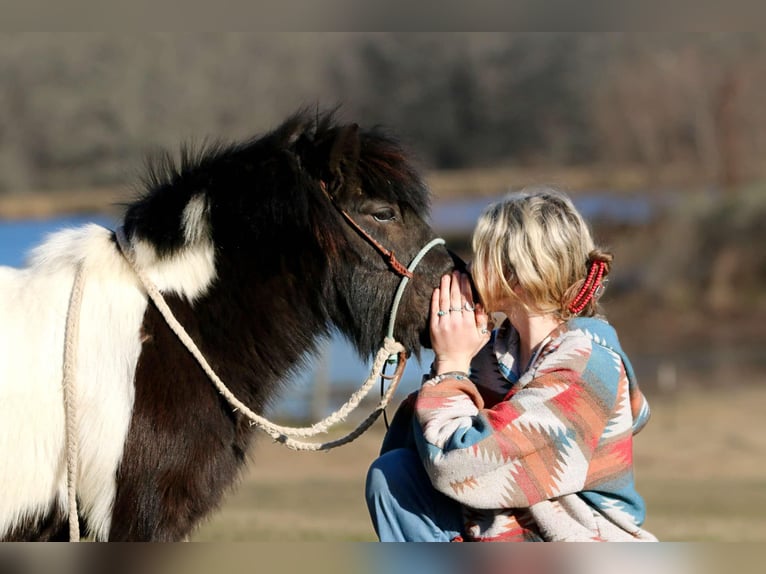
(163, 169)
(383, 161)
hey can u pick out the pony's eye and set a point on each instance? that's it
(383, 215)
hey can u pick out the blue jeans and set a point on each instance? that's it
(403, 504)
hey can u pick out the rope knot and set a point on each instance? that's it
(392, 346)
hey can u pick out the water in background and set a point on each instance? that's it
(18, 237)
(326, 380)
(460, 216)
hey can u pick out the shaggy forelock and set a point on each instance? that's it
(383, 167)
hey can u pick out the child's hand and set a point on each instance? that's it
(459, 328)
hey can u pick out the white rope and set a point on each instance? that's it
(71, 338)
(283, 434)
(403, 283)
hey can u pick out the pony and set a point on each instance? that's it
(248, 245)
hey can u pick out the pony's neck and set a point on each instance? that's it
(257, 329)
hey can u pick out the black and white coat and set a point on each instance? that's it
(257, 265)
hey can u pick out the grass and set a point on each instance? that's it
(707, 510)
(299, 496)
(700, 466)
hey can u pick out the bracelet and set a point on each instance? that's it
(433, 380)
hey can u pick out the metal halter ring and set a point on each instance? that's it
(441, 313)
(456, 309)
(468, 307)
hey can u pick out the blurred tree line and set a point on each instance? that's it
(84, 109)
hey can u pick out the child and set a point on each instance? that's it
(536, 442)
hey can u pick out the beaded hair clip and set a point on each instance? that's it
(593, 287)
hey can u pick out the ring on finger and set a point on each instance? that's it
(468, 307)
(441, 313)
(456, 309)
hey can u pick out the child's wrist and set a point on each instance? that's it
(431, 379)
(446, 366)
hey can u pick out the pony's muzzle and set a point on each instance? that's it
(462, 266)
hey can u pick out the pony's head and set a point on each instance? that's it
(260, 225)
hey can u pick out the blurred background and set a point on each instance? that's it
(659, 138)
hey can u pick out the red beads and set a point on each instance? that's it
(592, 283)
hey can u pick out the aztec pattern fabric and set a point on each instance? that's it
(542, 455)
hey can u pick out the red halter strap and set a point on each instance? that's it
(387, 254)
(588, 289)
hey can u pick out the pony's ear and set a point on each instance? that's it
(343, 157)
(333, 157)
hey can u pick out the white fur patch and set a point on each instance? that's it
(33, 308)
(189, 273)
(195, 222)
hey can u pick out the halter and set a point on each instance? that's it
(387, 254)
(406, 273)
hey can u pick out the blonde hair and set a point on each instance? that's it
(534, 239)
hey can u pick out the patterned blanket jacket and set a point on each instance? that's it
(544, 455)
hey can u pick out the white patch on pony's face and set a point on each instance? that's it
(33, 307)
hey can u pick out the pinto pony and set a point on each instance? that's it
(249, 247)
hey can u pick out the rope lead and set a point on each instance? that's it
(71, 337)
(283, 434)
(390, 352)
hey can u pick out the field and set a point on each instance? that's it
(700, 466)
